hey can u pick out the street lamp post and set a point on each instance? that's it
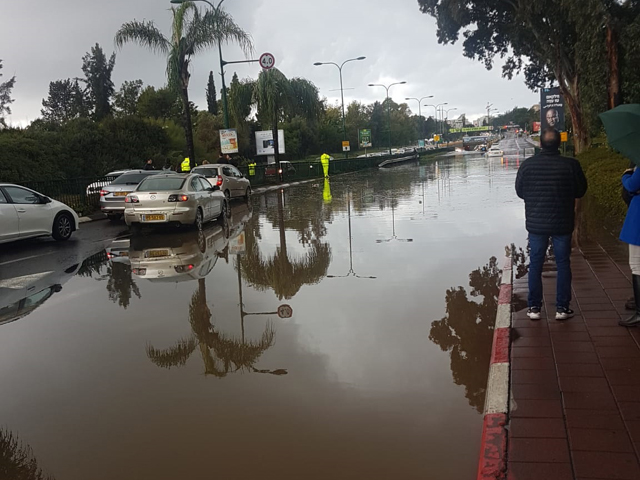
(446, 120)
(420, 112)
(225, 108)
(317, 64)
(436, 108)
(388, 107)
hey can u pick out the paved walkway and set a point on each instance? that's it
(575, 385)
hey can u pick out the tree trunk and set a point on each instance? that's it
(188, 127)
(571, 91)
(614, 70)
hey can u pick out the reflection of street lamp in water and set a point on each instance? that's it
(393, 223)
(351, 273)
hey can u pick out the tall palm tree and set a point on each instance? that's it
(191, 33)
(279, 98)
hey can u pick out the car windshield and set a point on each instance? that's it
(131, 178)
(161, 184)
(206, 172)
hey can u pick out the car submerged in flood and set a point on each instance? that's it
(173, 198)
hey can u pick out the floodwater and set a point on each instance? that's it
(330, 331)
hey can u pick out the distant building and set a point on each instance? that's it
(457, 122)
(480, 122)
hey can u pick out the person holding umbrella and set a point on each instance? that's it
(623, 134)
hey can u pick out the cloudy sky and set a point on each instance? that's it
(44, 40)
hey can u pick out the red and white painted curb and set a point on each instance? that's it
(493, 453)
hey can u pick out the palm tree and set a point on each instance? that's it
(279, 98)
(191, 33)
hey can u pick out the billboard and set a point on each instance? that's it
(229, 141)
(365, 138)
(264, 142)
(552, 108)
(536, 127)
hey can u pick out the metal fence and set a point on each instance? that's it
(83, 194)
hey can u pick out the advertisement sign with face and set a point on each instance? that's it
(552, 108)
(265, 143)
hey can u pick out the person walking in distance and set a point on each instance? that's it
(324, 159)
(630, 234)
(149, 165)
(549, 184)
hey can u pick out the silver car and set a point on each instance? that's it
(173, 198)
(231, 182)
(112, 196)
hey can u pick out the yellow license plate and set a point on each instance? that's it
(153, 218)
(157, 253)
(120, 194)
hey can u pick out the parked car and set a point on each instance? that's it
(95, 187)
(227, 177)
(112, 196)
(25, 213)
(173, 198)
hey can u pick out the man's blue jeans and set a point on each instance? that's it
(538, 245)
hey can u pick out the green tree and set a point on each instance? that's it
(157, 104)
(66, 101)
(5, 97)
(280, 99)
(212, 97)
(17, 461)
(97, 70)
(126, 99)
(191, 33)
(240, 93)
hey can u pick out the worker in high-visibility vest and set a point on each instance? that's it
(252, 169)
(185, 166)
(324, 159)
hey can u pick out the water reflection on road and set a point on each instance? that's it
(302, 338)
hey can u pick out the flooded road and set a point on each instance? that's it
(336, 330)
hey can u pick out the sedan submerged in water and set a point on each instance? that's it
(173, 199)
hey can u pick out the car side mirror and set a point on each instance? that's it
(44, 199)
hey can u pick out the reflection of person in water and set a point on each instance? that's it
(553, 117)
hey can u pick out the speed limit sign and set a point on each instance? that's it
(267, 61)
(285, 311)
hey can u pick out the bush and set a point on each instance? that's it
(603, 169)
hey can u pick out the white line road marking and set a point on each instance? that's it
(17, 283)
(8, 262)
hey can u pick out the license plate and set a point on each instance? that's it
(120, 194)
(157, 253)
(153, 218)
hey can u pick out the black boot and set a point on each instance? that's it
(634, 320)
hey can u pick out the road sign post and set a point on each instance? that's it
(345, 146)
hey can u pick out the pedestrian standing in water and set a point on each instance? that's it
(630, 234)
(549, 184)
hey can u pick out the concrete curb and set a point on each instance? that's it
(258, 191)
(493, 447)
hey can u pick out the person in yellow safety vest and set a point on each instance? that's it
(252, 169)
(325, 164)
(185, 166)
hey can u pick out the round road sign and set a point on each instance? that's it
(267, 61)
(285, 311)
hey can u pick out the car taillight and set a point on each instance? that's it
(183, 268)
(131, 199)
(139, 271)
(219, 182)
(178, 198)
(103, 193)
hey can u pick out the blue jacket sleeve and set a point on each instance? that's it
(632, 182)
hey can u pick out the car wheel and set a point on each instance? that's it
(247, 193)
(62, 227)
(227, 194)
(198, 221)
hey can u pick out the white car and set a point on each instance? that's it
(25, 213)
(495, 151)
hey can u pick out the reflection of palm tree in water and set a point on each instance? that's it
(279, 272)
(120, 284)
(221, 354)
(17, 461)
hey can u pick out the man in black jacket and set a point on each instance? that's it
(549, 184)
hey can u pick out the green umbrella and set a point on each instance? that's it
(623, 130)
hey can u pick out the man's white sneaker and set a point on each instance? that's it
(534, 313)
(564, 313)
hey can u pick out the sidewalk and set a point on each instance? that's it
(575, 385)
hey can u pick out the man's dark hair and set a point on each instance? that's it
(550, 139)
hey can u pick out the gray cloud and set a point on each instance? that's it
(44, 41)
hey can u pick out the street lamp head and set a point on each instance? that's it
(361, 58)
(372, 85)
(401, 83)
(178, 1)
(317, 64)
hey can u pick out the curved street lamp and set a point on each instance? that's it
(436, 108)
(420, 111)
(388, 106)
(317, 64)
